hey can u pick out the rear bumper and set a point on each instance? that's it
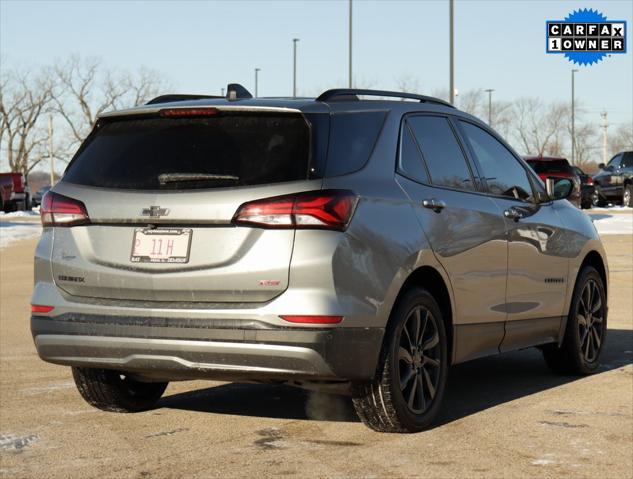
(182, 348)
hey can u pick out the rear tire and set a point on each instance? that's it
(597, 200)
(406, 394)
(586, 328)
(627, 195)
(114, 391)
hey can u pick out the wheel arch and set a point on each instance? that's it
(430, 279)
(594, 259)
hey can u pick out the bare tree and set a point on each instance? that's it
(23, 100)
(87, 88)
(621, 139)
(537, 127)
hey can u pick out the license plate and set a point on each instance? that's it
(161, 245)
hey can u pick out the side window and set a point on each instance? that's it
(615, 161)
(444, 158)
(627, 160)
(504, 175)
(410, 159)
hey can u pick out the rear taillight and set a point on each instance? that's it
(590, 181)
(325, 209)
(59, 210)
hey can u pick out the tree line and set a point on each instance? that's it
(75, 91)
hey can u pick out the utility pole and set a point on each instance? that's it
(573, 120)
(257, 70)
(294, 67)
(605, 125)
(222, 90)
(350, 45)
(490, 106)
(50, 148)
(451, 86)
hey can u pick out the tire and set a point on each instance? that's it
(28, 205)
(586, 204)
(113, 391)
(382, 404)
(627, 195)
(597, 200)
(586, 328)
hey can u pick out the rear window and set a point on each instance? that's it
(227, 150)
(553, 166)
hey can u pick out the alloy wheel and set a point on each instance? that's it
(419, 359)
(590, 318)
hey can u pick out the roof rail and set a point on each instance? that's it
(178, 97)
(351, 94)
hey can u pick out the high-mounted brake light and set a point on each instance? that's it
(324, 209)
(313, 319)
(180, 112)
(59, 210)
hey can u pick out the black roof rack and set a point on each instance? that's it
(178, 97)
(351, 94)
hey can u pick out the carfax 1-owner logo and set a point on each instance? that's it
(586, 36)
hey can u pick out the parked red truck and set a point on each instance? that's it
(20, 196)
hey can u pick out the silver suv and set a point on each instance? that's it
(353, 242)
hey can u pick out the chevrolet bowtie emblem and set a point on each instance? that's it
(155, 211)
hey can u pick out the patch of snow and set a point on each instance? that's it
(544, 461)
(21, 214)
(11, 231)
(616, 224)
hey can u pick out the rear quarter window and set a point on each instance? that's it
(352, 139)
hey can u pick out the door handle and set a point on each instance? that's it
(513, 213)
(433, 204)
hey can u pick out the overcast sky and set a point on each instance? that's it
(201, 46)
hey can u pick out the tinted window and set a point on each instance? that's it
(177, 153)
(442, 154)
(615, 161)
(352, 139)
(627, 160)
(410, 159)
(504, 174)
(550, 166)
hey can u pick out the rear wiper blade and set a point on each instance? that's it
(178, 177)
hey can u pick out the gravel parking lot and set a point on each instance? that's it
(506, 416)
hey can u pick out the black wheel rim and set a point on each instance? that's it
(419, 359)
(627, 197)
(590, 318)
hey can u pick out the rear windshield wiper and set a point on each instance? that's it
(178, 177)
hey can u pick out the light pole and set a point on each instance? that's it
(451, 86)
(350, 45)
(50, 148)
(257, 70)
(489, 106)
(573, 125)
(294, 67)
(605, 126)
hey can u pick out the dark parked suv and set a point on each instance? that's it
(614, 181)
(339, 243)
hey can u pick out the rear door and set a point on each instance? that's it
(538, 249)
(464, 227)
(161, 192)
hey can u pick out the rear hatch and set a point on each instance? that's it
(160, 191)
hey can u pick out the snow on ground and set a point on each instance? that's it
(11, 231)
(21, 214)
(614, 224)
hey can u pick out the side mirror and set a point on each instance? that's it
(559, 188)
(601, 166)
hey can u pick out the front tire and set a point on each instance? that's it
(407, 392)
(116, 392)
(586, 329)
(627, 196)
